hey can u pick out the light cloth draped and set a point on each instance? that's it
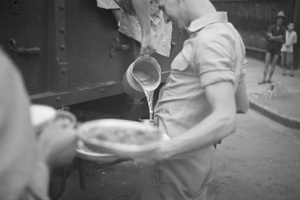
(129, 25)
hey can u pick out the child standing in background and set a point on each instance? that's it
(287, 50)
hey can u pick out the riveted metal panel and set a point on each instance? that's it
(25, 22)
(71, 58)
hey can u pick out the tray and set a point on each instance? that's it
(84, 153)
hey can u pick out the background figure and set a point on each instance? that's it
(26, 158)
(275, 39)
(287, 50)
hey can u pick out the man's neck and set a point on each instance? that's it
(199, 9)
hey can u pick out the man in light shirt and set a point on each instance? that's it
(198, 104)
(287, 50)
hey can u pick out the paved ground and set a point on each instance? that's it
(285, 110)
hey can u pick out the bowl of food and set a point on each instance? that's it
(122, 138)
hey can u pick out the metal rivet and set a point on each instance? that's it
(58, 98)
(62, 47)
(62, 29)
(102, 90)
(64, 70)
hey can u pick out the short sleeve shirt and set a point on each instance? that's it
(213, 53)
(290, 40)
(276, 32)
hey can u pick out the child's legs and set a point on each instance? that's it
(290, 60)
(273, 65)
(283, 61)
(267, 63)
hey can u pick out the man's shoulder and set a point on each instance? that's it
(213, 32)
(219, 33)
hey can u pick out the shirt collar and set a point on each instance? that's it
(200, 23)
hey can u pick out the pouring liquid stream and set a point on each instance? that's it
(147, 82)
(149, 95)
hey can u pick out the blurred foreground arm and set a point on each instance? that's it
(25, 160)
(17, 141)
(57, 143)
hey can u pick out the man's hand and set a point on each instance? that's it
(151, 158)
(148, 46)
(57, 143)
(269, 36)
(142, 9)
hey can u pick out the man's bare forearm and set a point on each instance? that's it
(211, 130)
(142, 9)
(216, 126)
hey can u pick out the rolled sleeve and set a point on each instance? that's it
(213, 77)
(213, 60)
(243, 71)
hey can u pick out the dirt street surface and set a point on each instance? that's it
(260, 161)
